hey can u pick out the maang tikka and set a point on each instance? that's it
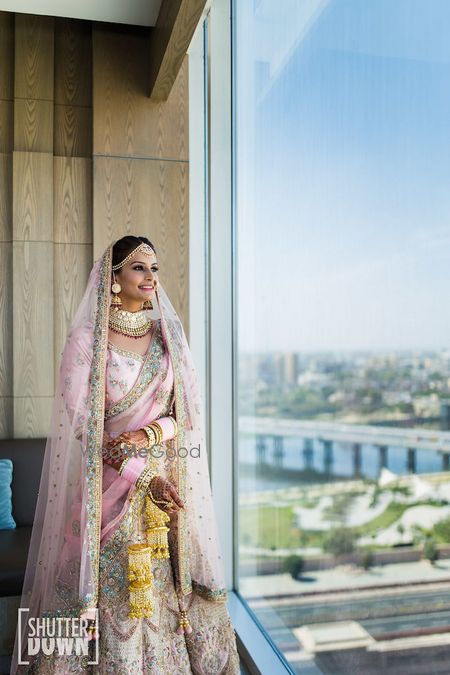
(116, 302)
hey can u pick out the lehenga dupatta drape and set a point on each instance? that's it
(81, 501)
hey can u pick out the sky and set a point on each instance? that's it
(343, 175)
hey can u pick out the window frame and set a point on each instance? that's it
(212, 295)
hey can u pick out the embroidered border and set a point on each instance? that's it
(94, 471)
(218, 595)
(148, 371)
(179, 442)
(125, 352)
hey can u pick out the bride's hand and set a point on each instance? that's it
(138, 438)
(130, 438)
(161, 489)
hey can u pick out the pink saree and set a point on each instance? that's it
(87, 514)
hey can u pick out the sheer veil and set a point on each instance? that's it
(62, 573)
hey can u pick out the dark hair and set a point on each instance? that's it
(124, 246)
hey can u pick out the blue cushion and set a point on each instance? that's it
(7, 522)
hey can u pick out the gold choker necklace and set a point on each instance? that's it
(132, 324)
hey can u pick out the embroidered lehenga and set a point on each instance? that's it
(87, 515)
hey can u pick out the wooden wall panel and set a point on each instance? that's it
(147, 198)
(72, 265)
(32, 196)
(6, 280)
(140, 157)
(6, 417)
(33, 125)
(33, 325)
(6, 56)
(72, 185)
(6, 360)
(6, 197)
(73, 131)
(72, 200)
(6, 126)
(73, 62)
(126, 122)
(32, 416)
(33, 77)
(73, 88)
(32, 225)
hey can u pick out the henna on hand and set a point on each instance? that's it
(161, 489)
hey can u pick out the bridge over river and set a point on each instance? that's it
(268, 430)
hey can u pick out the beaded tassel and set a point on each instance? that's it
(156, 530)
(140, 577)
(139, 563)
(183, 626)
(183, 622)
(141, 605)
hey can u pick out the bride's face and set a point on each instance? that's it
(138, 278)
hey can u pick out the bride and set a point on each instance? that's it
(124, 542)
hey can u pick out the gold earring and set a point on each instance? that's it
(148, 303)
(116, 302)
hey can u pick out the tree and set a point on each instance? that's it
(401, 530)
(442, 530)
(367, 559)
(337, 512)
(339, 541)
(430, 551)
(294, 564)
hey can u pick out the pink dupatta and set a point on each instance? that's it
(82, 502)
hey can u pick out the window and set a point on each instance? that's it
(342, 241)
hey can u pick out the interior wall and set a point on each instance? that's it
(141, 157)
(85, 157)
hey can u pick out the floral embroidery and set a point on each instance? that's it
(126, 352)
(149, 370)
(122, 384)
(163, 396)
(80, 418)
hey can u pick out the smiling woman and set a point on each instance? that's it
(128, 543)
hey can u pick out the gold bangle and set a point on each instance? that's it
(145, 478)
(122, 466)
(175, 425)
(151, 436)
(159, 431)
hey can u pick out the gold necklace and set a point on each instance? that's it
(132, 324)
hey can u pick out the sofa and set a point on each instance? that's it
(27, 456)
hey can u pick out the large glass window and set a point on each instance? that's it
(342, 223)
